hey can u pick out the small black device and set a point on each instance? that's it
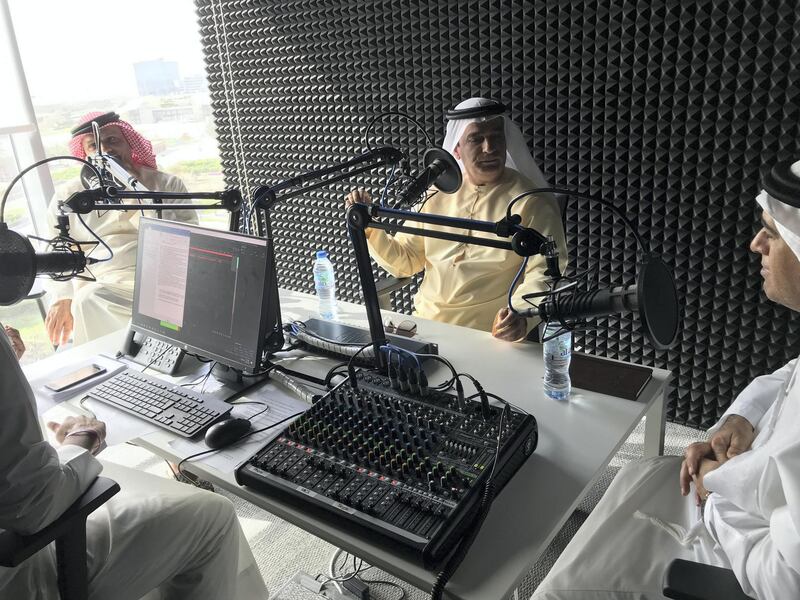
(74, 378)
(166, 405)
(342, 341)
(152, 353)
(207, 292)
(402, 466)
(226, 432)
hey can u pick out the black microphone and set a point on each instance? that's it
(20, 263)
(653, 296)
(441, 170)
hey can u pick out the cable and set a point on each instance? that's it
(522, 268)
(247, 435)
(204, 452)
(554, 190)
(150, 364)
(389, 180)
(398, 114)
(33, 166)
(97, 237)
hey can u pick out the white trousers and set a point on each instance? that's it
(641, 524)
(99, 309)
(156, 538)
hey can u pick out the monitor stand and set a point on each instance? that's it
(232, 383)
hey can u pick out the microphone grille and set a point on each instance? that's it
(17, 266)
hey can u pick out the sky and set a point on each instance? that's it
(85, 49)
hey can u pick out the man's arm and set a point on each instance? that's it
(542, 214)
(59, 322)
(754, 401)
(38, 481)
(763, 553)
(402, 255)
(171, 183)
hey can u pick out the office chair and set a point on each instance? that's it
(687, 580)
(69, 534)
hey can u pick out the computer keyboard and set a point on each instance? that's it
(169, 406)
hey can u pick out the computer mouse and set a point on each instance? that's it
(226, 432)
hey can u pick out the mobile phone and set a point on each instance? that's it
(74, 378)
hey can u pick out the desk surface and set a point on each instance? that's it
(577, 440)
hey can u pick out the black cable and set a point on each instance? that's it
(204, 452)
(351, 369)
(466, 542)
(97, 237)
(554, 190)
(38, 164)
(398, 114)
(247, 435)
(150, 364)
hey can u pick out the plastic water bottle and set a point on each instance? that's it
(557, 355)
(325, 284)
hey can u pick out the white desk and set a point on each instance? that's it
(577, 439)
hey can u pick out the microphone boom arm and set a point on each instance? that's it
(86, 201)
(525, 242)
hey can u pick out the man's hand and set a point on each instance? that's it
(706, 466)
(16, 341)
(509, 326)
(734, 437)
(70, 424)
(59, 322)
(360, 195)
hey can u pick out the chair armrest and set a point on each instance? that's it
(385, 287)
(16, 548)
(687, 580)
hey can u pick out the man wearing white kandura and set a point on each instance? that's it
(466, 284)
(733, 501)
(86, 310)
(155, 539)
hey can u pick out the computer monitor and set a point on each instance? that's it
(209, 292)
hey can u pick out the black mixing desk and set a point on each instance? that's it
(408, 467)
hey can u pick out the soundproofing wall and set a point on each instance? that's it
(671, 110)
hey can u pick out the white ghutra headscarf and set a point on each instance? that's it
(518, 157)
(780, 198)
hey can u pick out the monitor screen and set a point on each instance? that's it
(203, 290)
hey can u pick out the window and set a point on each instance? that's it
(143, 60)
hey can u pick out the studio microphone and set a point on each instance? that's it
(20, 263)
(441, 170)
(653, 297)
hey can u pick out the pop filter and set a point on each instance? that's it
(658, 302)
(17, 266)
(449, 179)
(441, 170)
(653, 297)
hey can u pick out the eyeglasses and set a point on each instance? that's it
(404, 328)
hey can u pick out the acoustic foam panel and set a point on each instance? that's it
(671, 110)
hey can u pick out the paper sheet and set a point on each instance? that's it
(281, 405)
(47, 399)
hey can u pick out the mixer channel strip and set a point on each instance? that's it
(409, 468)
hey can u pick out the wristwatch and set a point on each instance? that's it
(88, 431)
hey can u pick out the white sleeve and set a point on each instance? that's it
(38, 483)
(754, 401)
(752, 546)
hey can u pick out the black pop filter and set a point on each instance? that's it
(17, 266)
(449, 180)
(658, 302)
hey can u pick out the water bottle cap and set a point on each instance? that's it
(322, 254)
